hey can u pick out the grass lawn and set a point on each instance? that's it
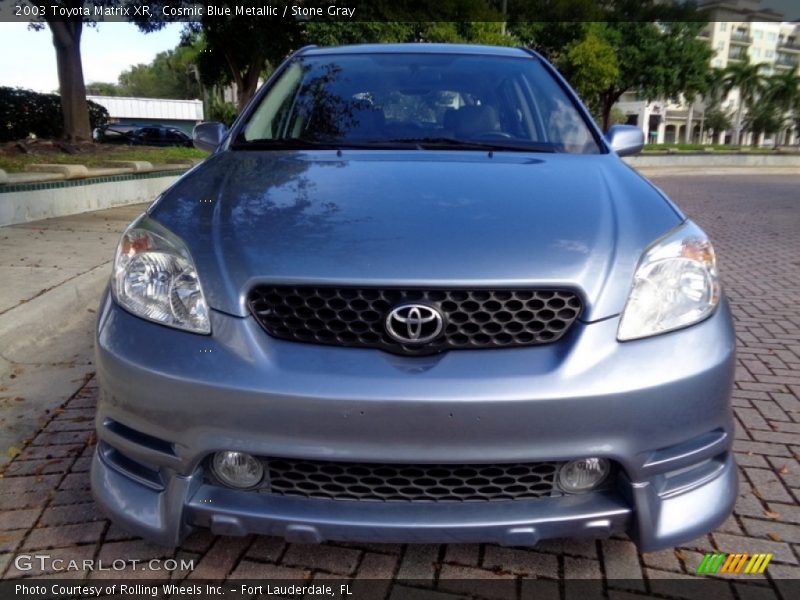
(15, 162)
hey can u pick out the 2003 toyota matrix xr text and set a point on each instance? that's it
(414, 295)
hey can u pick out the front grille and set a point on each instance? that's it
(472, 319)
(410, 483)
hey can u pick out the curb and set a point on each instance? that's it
(714, 160)
(39, 320)
(715, 171)
(68, 171)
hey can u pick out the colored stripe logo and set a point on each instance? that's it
(719, 562)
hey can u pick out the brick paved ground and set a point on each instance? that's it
(45, 501)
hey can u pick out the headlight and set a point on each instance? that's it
(155, 278)
(675, 285)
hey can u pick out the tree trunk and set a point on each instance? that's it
(702, 124)
(248, 86)
(245, 84)
(608, 99)
(67, 42)
(688, 137)
(606, 114)
(737, 127)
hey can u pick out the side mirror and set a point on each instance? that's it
(625, 139)
(207, 136)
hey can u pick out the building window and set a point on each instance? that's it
(769, 53)
(723, 26)
(771, 36)
(758, 34)
(755, 52)
(720, 45)
(736, 53)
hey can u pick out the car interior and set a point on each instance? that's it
(414, 101)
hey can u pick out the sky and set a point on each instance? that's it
(107, 50)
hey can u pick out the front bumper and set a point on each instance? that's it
(658, 407)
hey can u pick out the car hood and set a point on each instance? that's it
(416, 218)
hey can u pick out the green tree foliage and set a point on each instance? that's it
(469, 32)
(171, 74)
(778, 104)
(221, 111)
(714, 88)
(335, 33)
(763, 118)
(590, 64)
(551, 26)
(716, 120)
(237, 50)
(658, 60)
(783, 92)
(655, 44)
(103, 88)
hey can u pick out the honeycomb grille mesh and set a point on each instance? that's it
(472, 318)
(410, 483)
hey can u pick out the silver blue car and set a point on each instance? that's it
(414, 295)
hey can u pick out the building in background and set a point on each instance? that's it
(182, 114)
(738, 29)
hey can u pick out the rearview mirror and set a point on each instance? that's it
(625, 139)
(207, 136)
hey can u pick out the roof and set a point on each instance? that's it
(121, 107)
(416, 49)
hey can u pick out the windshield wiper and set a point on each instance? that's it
(301, 143)
(453, 143)
(422, 143)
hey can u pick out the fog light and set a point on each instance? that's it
(237, 469)
(583, 475)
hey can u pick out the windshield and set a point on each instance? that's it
(417, 100)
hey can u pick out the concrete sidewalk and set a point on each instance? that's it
(53, 272)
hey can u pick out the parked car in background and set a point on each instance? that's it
(415, 295)
(141, 135)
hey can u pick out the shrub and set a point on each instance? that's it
(224, 112)
(23, 112)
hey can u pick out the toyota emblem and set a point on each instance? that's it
(414, 323)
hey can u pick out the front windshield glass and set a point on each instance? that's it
(418, 100)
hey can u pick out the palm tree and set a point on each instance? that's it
(712, 97)
(764, 117)
(747, 78)
(783, 92)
